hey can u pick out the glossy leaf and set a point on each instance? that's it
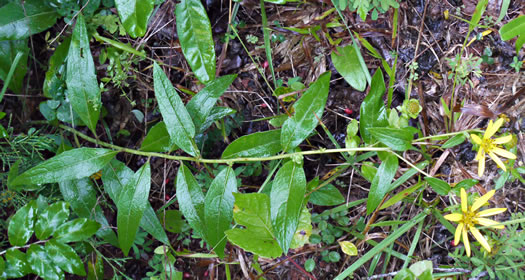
(16, 263)
(157, 140)
(8, 52)
(347, 64)
(259, 144)
(19, 20)
(454, 141)
(253, 212)
(83, 90)
(50, 219)
(131, 204)
(76, 230)
(328, 195)
(2, 266)
(348, 248)
(69, 165)
(513, 28)
(115, 176)
(304, 229)
(65, 257)
(373, 111)
(196, 41)
(54, 84)
(398, 139)
(308, 110)
(202, 103)
(134, 15)
(41, 265)
(178, 121)
(286, 200)
(172, 220)
(439, 186)
(216, 114)
(381, 182)
(191, 199)
(82, 197)
(21, 224)
(218, 209)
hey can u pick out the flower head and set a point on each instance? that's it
(470, 216)
(490, 146)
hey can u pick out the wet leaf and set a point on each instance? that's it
(454, 141)
(218, 209)
(286, 200)
(398, 139)
(253, 212)
(134, 15)
(304, 230)
(8, 52)
(328, 195)
(308, 110)
(191, 199)
(76, 230)
(16, 263)
(69, 165)
(172, 220)
(65, 257)
(216, 114)
(21, 224)
(196, 41)
(131, 204)
(19, 20)
(41, 265)
(178, 121)
(50, 219)
(373, 111)
(157, 140)
(202, 103)
(381, 182)
(348, 248)
(83, 91)
(259, 144)
(439, 186)
(347, 64)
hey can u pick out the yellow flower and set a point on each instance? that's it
(470, 216)
(490, 146)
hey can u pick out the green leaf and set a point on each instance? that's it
(50, 219)
(82, 197)
(134, 15)
(348, 248)
(54, 84)
(83, 90)
(259, 144)
(399, 196)
(420, 267)
(439, 186)
(16, 263)
(8, 52)
(381, 182)
(76, 230)
(405, 274)
(69, 165)
(253, 212)
(21, 224)
(191, 200)
(202, 103)
(480, 9)
(454, 141)
(216, 114)
(373, 111)
(178, 121)
(115, 176)
(157, 140)
(131, 204)
(172, 220)
(309, 265)
(308, 110)
(41, 265)
(196, 41)
(218, 209)
(304, 229)
(398, 139)
(347, 64)
(328, 195)
(65, 257)
(2, 267)
(513, 28)
(19, 20)
(286, 200)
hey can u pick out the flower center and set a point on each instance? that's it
(468, 218)
(487, 144)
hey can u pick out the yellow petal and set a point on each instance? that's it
(498, 161)
(457, 235)
(492, 128)
(465, 241)
(502, 140)
(476, 139)
(480, 155)
(482, 200)
(454, 217)
(481, 166)
(491, 212)
(463, 200)
(479, 237)
(503, 153)
(489, 223)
